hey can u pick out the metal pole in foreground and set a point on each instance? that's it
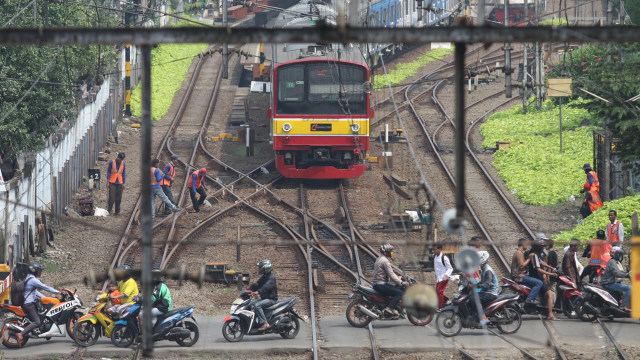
(461, 48)
(525, 69)
(507, 55)
(225, 46)
(145, 190)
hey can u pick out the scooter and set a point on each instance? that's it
(171, 326)
(597, 301)
(57, 318)
(242, 320)
(502, 313)
(98, 321)
(368, 305)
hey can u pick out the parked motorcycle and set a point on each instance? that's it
(242, 320)
(567, 294)
(97, 322)
(171, 326)
(368, 305)
(502, 313)
(597, 301)
(57, 318)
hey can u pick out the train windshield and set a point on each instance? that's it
(321, 88)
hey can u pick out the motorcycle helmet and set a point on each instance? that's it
(265, 266)
(484, 257)
(124, 267)
(156, 275)
(36, 268)
(387, 250)
(617, 253)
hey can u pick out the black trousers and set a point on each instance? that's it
(394, 292)
(115, 196)
(591, 271)
(197, 203)
(32, 314)
(166, 189)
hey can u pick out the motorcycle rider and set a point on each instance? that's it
(385, 281)
(266, 289)
(537, 269)
(128, 288)
(160, 298)
(519, 273)
(613, 271)
(31, 295)
(488, 286)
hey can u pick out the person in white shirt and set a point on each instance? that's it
(443, 269)
(615, 230)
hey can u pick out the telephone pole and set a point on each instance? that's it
(507, 55)
(539, 63)
(225, 46)
(524, 61)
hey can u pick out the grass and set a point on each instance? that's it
(554, 22)
(533, 167)
(625, 207)
(405, 70)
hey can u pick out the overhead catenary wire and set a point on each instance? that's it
(18, 14)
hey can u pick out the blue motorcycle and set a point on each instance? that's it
(171, 326)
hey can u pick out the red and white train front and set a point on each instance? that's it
(320, 118)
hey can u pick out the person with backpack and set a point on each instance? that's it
(30, 295)
(443, 269)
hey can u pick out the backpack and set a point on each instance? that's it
(17, 292)
(161, 303)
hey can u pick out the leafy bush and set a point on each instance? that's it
(405, 70)
(170, 63)
(598, 220)
(533, 167)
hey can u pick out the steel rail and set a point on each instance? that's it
(314, 336)
(621, 353)
(554, 341)
(361, 278)
(174, 122)
(522, 350)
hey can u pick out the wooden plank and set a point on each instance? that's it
(398, 180)
(396, 188)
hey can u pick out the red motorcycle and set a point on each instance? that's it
(368, 305)
(567, 297)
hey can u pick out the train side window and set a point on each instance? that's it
(414, 5)
(384, 16)
(406, 7)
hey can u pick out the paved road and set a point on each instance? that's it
(335, 334)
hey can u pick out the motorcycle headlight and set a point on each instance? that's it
(233, 309)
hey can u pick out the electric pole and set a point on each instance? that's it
(507, 55)
(539, 63)
(524, 61)
(127, 65)
(225, 46)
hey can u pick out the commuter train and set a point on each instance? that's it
(320, 99)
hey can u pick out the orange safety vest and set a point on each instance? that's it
(198, 179)
(172, 173)
(116, 173)
(599, 250)
(612, 232)
(153, 176)
(596, 183)
(595, 202)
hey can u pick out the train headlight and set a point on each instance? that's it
(286, 127)
(355, 127)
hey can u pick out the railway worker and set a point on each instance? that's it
(537, 269)
(443, 269)
(169, 174)
(592, 179)
(156, 190)
(615, 229)
(196, 185)
(385, 281)
(266, 289)
(592, 198)
(613, 272)
(519, 272)
(116, 176)
(598, 251)
(570, 262)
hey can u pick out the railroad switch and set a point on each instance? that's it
(220, 273)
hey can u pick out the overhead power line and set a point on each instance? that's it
(320, 34)
(18, 14)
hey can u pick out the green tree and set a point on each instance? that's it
(36, 109)
(609, 71)
(633, 8)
